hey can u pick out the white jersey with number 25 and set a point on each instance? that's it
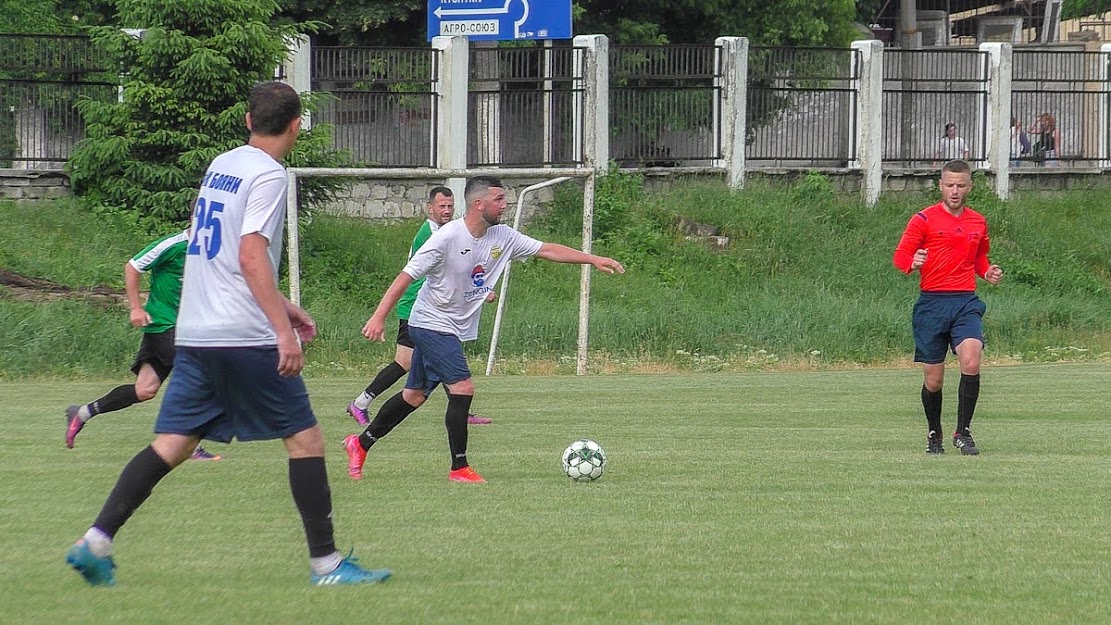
(243, 192)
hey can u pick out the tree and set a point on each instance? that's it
(1083, 8)
(361, 22)
(770, 22)
(764, 22)
(185, 85)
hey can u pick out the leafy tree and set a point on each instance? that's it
(32, 16)
(361, 22)
(185, 84)
(1083, 8)
(764, 22)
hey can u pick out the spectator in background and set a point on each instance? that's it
(1020, 143)
(1048, 145)
(951, 147)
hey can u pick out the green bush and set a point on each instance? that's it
(185, 85)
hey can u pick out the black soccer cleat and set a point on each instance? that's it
(964, 442)
(934, 444)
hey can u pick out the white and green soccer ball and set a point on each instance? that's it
(584, 460)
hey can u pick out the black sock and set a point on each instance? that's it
(116, 399)
(967, 394)
(134, 485)
(387, 377)
(458, 406)
(308, 481)
(392, 412)
(931, 403)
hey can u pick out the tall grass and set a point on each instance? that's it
(806, 281)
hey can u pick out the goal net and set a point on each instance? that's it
(455, 178)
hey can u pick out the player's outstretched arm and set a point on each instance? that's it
(562, 254)
(375, 328)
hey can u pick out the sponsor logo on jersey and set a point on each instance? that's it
(478, 275)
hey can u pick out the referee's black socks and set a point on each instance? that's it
(931, 403)
(967, 394)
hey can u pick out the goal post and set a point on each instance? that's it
(554, 175)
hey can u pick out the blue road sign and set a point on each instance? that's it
(500, 19)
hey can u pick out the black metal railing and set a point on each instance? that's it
(663, 104)
(522, 104)
(926, 90)
(1059, 98)
(801, 108)
(382, 104)
(42, 77)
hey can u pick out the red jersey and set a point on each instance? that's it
(956, 248)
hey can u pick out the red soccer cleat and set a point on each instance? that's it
(356, 456)
(474, 419)
(466, 474)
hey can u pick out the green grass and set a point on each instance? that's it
(807, 282)
(729, 498)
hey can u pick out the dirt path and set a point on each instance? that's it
(25, 289)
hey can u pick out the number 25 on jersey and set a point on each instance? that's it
(206, 229)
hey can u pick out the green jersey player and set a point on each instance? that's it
(164, 261)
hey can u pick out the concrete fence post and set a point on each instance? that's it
(869, 119)
(998, 121)
(731, 116)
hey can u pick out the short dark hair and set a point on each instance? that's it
(478, 186)
(273, 106)
(957, 167)
(439, 190)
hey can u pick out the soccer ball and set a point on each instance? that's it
(584, 460)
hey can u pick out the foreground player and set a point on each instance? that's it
(165, 261)
(948, 244)
(462, 261)
(441, 208)
(238, 361)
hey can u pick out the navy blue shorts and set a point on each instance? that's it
(437, 359)
(220, 393)
(942, 321)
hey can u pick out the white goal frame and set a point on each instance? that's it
(554, 175)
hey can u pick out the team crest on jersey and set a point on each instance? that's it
(478, 275)
(496, 252)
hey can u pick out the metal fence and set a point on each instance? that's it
(926, 90)
(382, 102)
(521, 105)
(1059, 97)
(663, 102)
(801, 107)
(41, 79)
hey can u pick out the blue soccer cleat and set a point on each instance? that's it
(348, 572)
(96, 570)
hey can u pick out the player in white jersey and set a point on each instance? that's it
(238, 349)
(461, 264)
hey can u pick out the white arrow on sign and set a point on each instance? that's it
(441, 11)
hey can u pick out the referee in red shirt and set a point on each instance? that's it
(948, 244)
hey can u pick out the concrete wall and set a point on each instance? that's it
(24, 184)
(404, 200)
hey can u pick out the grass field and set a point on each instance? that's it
(729, 498)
